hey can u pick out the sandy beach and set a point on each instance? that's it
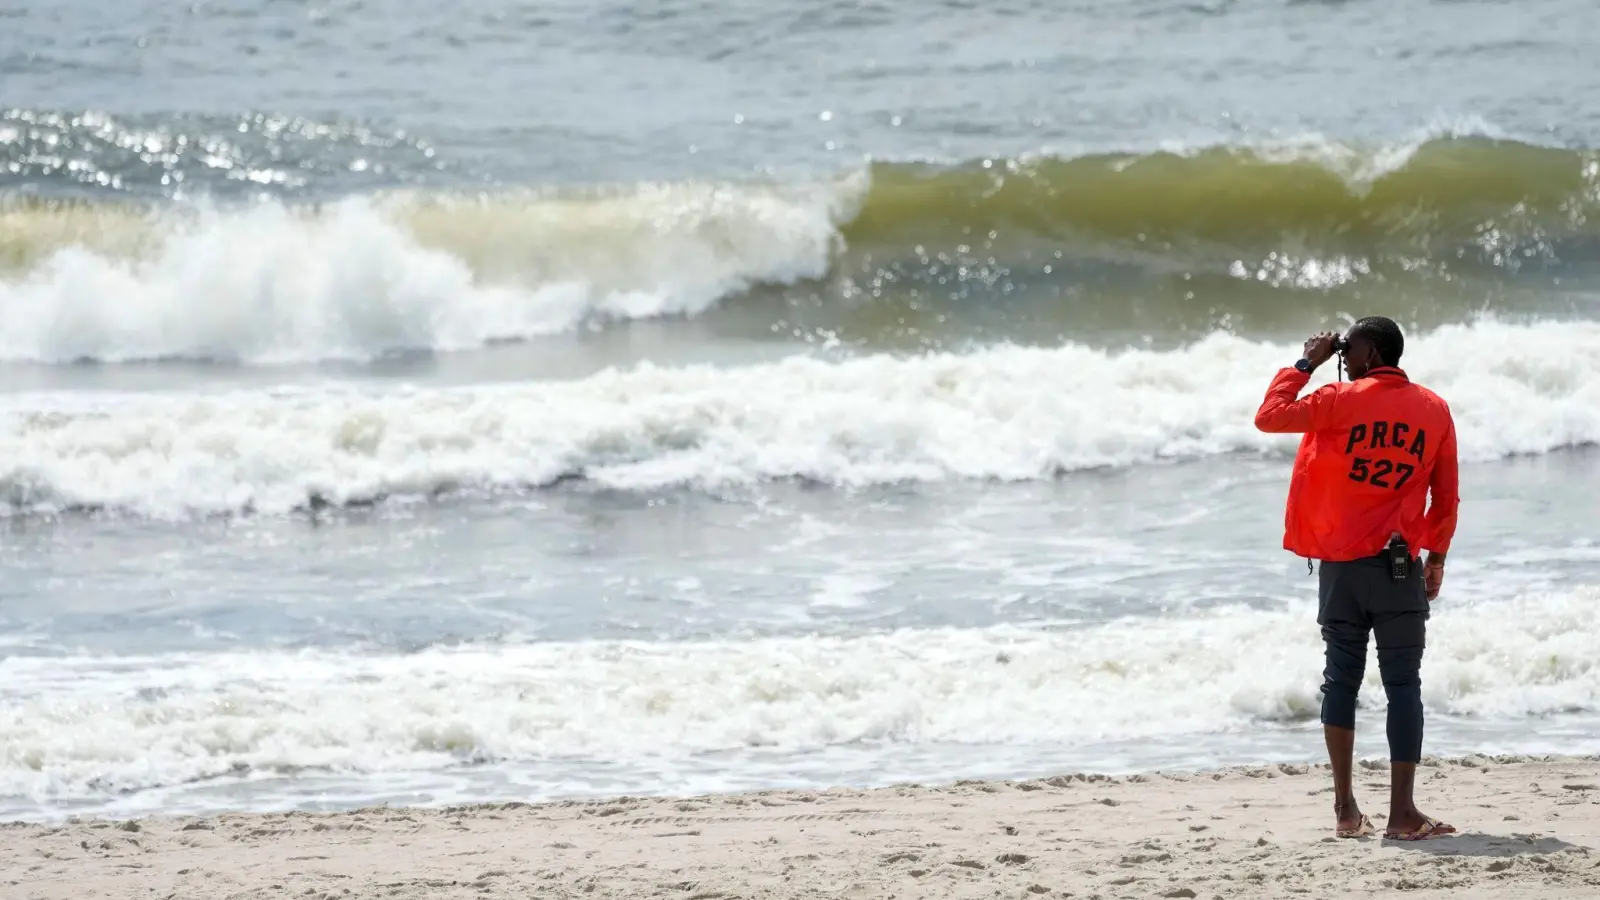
(1530, 828)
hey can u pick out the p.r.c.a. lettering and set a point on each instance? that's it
(1384, 434)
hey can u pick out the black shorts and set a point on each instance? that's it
(1361, 593)
(1357, 599)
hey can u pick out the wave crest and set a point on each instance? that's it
(358, 278)
(1204, 233)
(1001, 413)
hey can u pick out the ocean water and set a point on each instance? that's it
(421, 405)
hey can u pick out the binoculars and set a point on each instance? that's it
(1340, 345)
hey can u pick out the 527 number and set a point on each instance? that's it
(1377, 472)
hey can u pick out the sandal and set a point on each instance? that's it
(1431, 828)
(1361, 830)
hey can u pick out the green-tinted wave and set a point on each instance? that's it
(1430, 200)
(1118, 246)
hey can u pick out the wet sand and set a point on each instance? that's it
(1529, 828)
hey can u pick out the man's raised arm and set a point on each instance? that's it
(1281, 413)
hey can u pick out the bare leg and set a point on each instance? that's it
(1403, 814)
(1341, 756)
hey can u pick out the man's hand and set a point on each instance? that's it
(1433, 575)
(1319, 347)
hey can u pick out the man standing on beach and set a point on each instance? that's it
(1373, 449)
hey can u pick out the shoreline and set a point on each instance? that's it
(1371, 766)
(1530, 826)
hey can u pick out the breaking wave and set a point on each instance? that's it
(82, 727)
(275, 280)
(1003, 412)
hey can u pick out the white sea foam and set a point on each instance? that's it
(352, 280)
(1362, 166)
(1001, 413)
(80, 727)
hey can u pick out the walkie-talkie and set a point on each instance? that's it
(1399, 559)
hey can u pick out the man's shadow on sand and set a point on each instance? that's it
(1501, 846)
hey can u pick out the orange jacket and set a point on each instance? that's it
(1373, 449)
